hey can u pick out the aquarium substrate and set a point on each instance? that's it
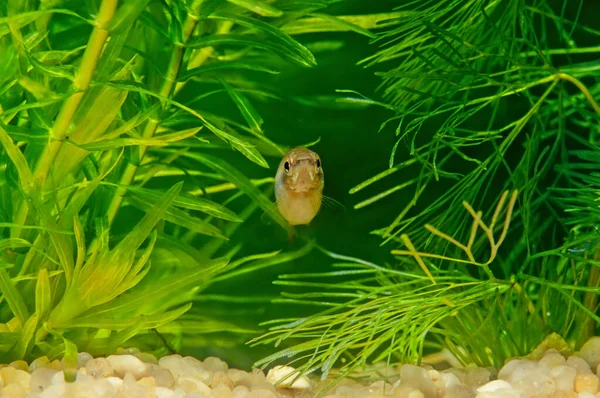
(132, 374)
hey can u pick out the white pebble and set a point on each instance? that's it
(261, 393)
(98, 368)
(216, 364)
(13, 391)
(162, 392)
(56, 390)
(564, 377)
(418, 379)
(240, 392)
(239, 377)
(191, 384)
(279, 374)
(590, 352)
(41, 379)
(186, 367)
(162, 376)
(116, 382)
(516, 369)
(586, 395)
(496, 385)
(41, 362)
(83, 358)
(15, 376)
(536, 382)
(580, 365)
(551, 359)
(222, 392)
(127, 363)
(500, 394)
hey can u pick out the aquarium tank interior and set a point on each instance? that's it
(458, 146)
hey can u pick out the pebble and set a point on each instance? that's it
(587, 383)
(285, 375)
(127, 363)
(590, 352)
(131, 373)
(98, 368)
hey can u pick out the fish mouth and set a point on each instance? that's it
(305, 180)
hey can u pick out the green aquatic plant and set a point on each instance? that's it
(117, 173)
(135, 145)
(485, 97)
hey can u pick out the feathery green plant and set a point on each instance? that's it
(103, 105)
(487, 97)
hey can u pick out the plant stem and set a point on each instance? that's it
(556, 51)
(582, 88)
(200, 55)
(150, 128)
(80, 83)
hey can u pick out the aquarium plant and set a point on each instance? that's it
(139, 140)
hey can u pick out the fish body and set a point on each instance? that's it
(299, 186)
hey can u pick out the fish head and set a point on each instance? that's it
(301, 170)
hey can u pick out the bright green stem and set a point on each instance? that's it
(81, 84)
(150, 129)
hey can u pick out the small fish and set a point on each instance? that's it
(299, 186)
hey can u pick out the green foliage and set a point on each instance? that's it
(136, 143)
(486, 97)
(101, 104)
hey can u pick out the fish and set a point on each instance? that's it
(299, 184)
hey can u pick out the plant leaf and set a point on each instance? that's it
(13, 297)
(43, 294)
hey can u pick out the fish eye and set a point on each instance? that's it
(318, 163)
(286, 166)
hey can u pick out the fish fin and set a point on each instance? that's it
(331, 203)
(265, 218)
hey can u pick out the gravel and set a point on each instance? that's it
(139, 375)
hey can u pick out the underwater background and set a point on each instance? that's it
(461, 101)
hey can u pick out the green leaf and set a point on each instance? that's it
(314, 23)
(43, 296)
(13, 297)
(191, 203)
(242, 146)
(159, 140)
(242, 182)
(286, 41)
(249, 41)
(246, 109)
(157, 291)
(8, 341)
(143, 322)
(70, 361)
(258, 7)
(219, 66)
(64, 72)
(16, 156)
(25, 18)
(138, 235)
(13, 243)
(178, 217)
(27, 333)
(204, 325)
(125, 16)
